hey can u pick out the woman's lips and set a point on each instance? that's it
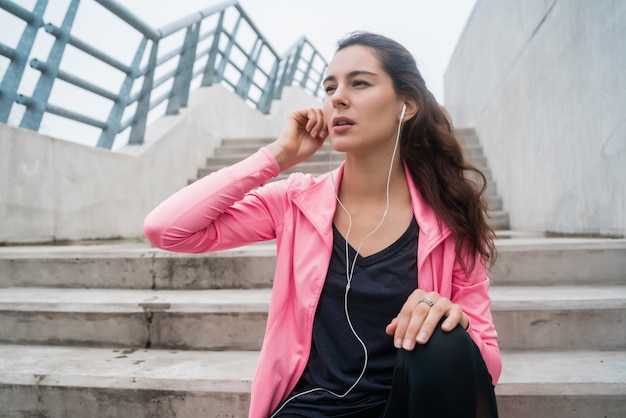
(342, 124)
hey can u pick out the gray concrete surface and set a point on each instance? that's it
(114, 382)
(523, 259)
(55, 190)
(527, 317)
(542, 82)
(548, 261)
(552, 323)
(135, 266)
(63, 382)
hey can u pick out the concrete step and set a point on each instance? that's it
(135, 266)
(562, 384)
(313, 167)
(467, 136)
(196, 319)
(249, 149)
(480, 161)
(68, 382)
(556, 317)
(495, 203)
(526, 317)
(227, 160)
(559, 261)
(523, 259)
(65, 382)
(258, 142)
(474, 150)
(498, 219)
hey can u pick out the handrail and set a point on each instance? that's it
(258, 73)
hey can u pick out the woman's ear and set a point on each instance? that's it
(411, 109)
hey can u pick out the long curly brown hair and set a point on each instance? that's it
(434, 156)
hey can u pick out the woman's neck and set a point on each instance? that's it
(365, 180)
(367, 220)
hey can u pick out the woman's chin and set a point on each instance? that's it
(341, 144)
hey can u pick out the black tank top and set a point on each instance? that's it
(380, 285)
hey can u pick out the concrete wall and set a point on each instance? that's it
(543, 83)
(55, 190)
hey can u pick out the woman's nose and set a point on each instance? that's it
(339, 97)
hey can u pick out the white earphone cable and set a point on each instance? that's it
(350, 270)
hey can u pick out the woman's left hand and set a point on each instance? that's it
(417, 319)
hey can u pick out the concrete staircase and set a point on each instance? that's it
(233, 150)
(498, 218)
(121, 329)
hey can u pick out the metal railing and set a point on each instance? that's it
(220, 45)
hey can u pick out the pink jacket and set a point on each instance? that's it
(220, 211)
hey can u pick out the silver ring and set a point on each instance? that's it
(427, 300)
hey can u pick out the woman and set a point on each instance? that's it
(379, 305)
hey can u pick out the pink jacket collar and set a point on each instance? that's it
(322, 217)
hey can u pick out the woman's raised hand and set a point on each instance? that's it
(419, 316)
(303, 134)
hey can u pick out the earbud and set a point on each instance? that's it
(403, 111)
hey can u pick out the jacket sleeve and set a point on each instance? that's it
(471, 293)
(218, 211)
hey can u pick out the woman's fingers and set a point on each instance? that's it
(415, 327)
(315, 125)
(417, 320)
(409, 316)
(303, 134)
(455, 317)
(441, 308)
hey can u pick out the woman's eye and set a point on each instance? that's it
(358, 83)
(329, 89)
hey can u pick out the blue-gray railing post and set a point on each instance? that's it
(229, 47)
(278, 91)
(107, 137)
(294, 63)
(138, 129)
(37, 106)
(265, 102)
(284, 77)
(289, 68)
(209, 72)
(307, 73)
(182, 80)
(19, 55)
(245, 79)
(320, 82)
